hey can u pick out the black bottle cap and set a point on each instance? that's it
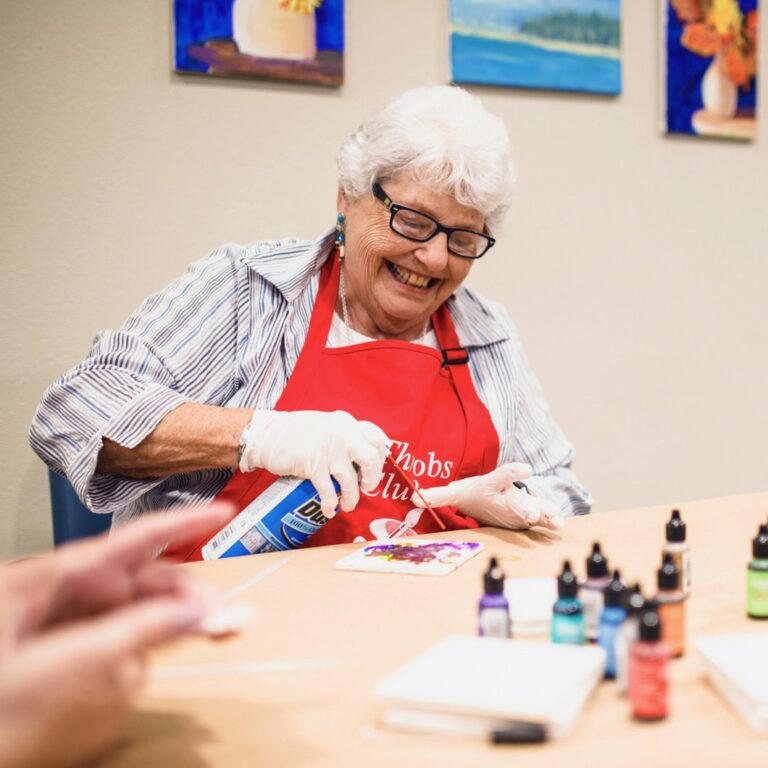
(668, 575)
(675, 527)
(597, 565)
(493, 579)
(760, 543)
(650, 623)
(567, 584)
(634, 602)
(614, 592)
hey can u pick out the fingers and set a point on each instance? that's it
(161, 579)
(138, 627)
(369, 453)
(139, 541)
(346, 477)
(444, 495)
(327, 493)
(502, 477)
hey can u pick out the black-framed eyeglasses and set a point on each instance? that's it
(420, 227)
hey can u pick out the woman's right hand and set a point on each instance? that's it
(317, 445)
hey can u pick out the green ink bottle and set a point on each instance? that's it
(757, 577)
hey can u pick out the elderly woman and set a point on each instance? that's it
(330, 359)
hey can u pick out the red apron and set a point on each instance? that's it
(422, 398)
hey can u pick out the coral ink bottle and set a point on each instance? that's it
(679, 549)
(671, 606)
(593, 588)
(493, 611)
(757, 576)
(648, 663)
(568, 624)
(612, 617)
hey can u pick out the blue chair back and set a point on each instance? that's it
(71, 518)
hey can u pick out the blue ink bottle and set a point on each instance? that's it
(493, 611)
(568, 624)
(612, 617)
(592, 589)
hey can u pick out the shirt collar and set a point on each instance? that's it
(289, 264)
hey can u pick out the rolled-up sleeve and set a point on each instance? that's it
(179, 346)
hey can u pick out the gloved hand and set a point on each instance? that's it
(316, 445)
(493, 499)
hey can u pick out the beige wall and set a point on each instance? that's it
(635, 265)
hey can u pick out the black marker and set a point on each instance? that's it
(520, 733)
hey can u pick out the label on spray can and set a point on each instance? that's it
(283, 517)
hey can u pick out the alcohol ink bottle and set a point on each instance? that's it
(568, 624)
(679, 549)
(648, 663)
(591, 592)
(671, 606)
(611, 618)
(634, 603)
(757, 576)
(493, 611)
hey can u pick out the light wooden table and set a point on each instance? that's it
(373, 623)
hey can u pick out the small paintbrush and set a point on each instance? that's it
(413, 487)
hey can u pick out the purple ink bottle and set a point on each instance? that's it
(493, 611)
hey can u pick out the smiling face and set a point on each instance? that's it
(393, 284)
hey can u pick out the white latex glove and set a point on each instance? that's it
(317, 445)
(493, 499)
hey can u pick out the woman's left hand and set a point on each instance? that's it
(495, 500)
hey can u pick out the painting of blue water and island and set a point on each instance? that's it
(566, 45)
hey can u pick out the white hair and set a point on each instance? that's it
(444, 138)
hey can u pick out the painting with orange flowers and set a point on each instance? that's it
(275, 39)
(711, 67)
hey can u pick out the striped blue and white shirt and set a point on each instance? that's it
(229, 333)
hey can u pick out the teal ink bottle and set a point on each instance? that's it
(612, 617)
(567, 615)
(592, 589)
(757, 576)
(493, 611)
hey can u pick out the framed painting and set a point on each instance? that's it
(568, 45)
(300, 40)
(709, 67)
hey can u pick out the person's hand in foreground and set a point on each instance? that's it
(494, 500)
(317, 445)
(75, 626)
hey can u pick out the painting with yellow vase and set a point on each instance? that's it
(710, 70)
(300, 40)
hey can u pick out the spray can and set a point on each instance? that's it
(283, 517)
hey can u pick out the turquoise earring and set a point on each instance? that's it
(340, 226)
